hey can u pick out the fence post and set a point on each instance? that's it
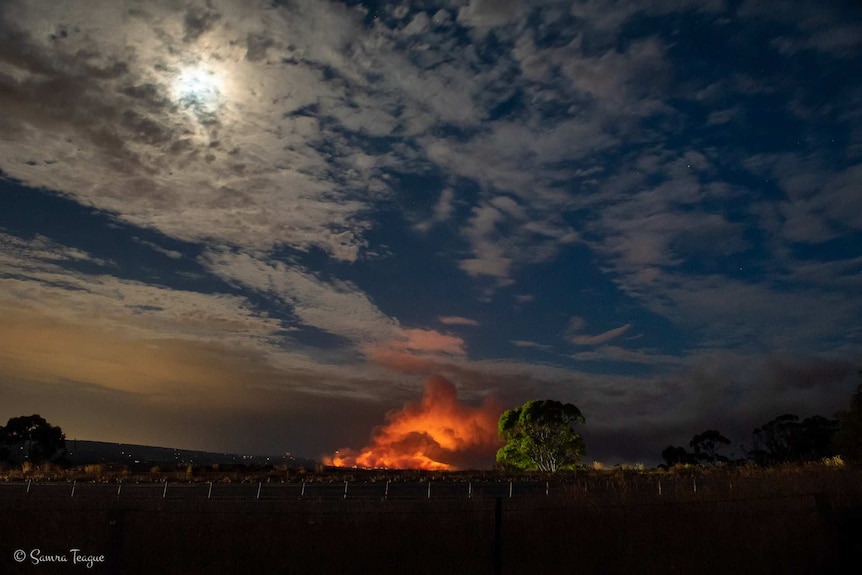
(210, 491)
(259, 485)
(119, 487)
(429, 490)
(165, 492)
(498, 536)
(302, 493)
(28, 485)
(547, 487)
(470, 490)
(511, 483)
(386, 493)
(694, 484)
(74, 483)
(345, 489)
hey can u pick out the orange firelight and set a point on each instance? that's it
(436, 433)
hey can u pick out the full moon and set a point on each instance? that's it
(198, 87)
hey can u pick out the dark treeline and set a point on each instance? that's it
(785, 439)
(31, 438)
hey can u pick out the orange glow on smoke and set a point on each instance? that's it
(436, 433)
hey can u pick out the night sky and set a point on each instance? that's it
(260, 226)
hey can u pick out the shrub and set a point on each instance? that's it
(835, 461)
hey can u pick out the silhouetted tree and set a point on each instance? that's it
(770, 440)
(31, 438)
(540, 435)
(674, 455)
(848, 440)
(706, 445)
(814, 438)
(786, 439)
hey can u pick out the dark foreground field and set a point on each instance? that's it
(723, 527)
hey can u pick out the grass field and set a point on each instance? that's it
(790, 520)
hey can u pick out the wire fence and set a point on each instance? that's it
(397, 490)
(620, 488)
(599, 524)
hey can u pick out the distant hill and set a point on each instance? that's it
(82, 452)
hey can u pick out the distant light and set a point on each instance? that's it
(199, 88)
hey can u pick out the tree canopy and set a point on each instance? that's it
(705, 445)
(30, 438)
(675, 455)
(787, 439)
(540, 435)
(784, 439)
(848, 439)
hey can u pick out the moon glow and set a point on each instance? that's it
(199, 88)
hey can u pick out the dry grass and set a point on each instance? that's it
(617, 484)
(795, 519)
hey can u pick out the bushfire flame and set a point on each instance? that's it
(436, 433)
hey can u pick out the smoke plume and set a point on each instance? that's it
(436, 433)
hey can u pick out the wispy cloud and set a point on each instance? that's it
(425, 341)
(583, 339)
(38, 252)
(616, 353)
(530, 344)
(457, 320)
(335, 307)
